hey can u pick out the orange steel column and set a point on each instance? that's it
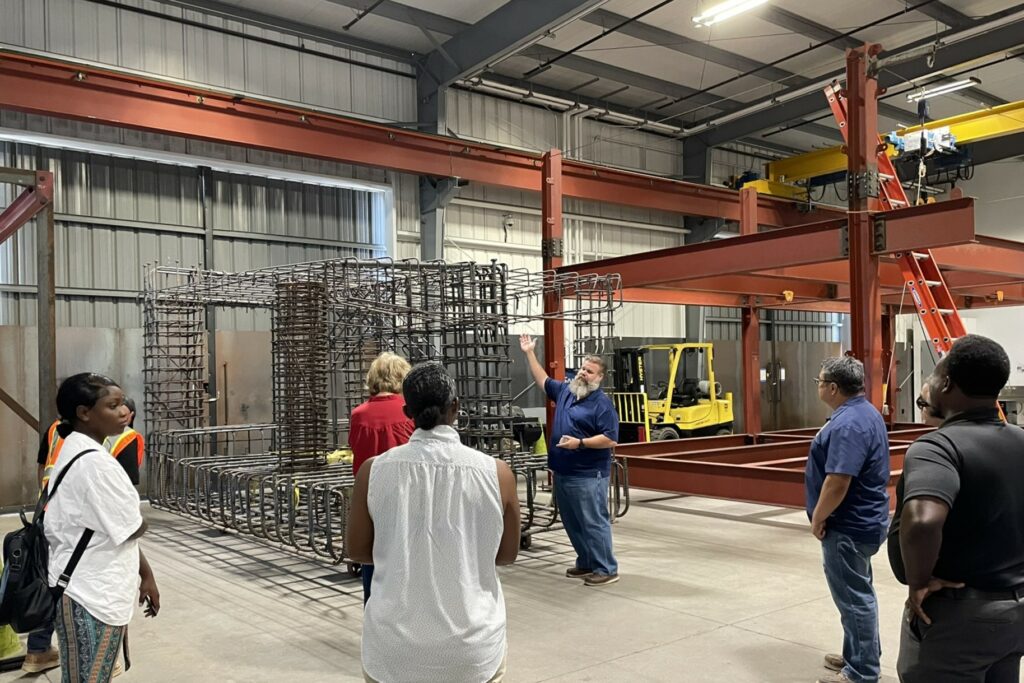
(751, 329)
(862, 174)
(552, 248)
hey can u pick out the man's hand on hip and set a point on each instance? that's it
(918, 594)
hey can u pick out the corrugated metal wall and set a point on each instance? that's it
(320, 75)
(115, 216)
(723, 324)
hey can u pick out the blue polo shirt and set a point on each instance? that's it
(854, 441)
(594, 415)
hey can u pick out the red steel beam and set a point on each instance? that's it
(51, 87)
(758, 286)
(30, 202)
(751, 383)
(712, 473)
(552, 241)
(862, 160)
(989, 255)
(748, 211)
(817, 243)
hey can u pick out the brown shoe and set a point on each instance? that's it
(834, 662)
(600, 579)
(37, 662)
(837, 677)
(575, 573)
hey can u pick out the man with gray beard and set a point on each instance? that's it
(584, 430)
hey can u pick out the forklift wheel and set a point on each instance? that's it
(723, 432)
(664, 434)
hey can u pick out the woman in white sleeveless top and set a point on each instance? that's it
(434, 518)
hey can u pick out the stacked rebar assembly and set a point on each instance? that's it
(329, 320)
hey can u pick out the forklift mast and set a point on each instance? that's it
(630, 373)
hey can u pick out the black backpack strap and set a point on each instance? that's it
(69, 569)
(49, 491)
(83, 541)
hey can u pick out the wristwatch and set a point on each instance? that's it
(582, 445)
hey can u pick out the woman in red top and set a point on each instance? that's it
(380, 424)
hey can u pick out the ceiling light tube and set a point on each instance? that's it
(725, 10)
(943, 89)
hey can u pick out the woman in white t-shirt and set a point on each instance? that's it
(434, 517)
(96, 494)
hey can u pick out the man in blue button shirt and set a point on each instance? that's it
(848, 505)
(585, 429)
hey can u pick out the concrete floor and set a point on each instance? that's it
(711, 590)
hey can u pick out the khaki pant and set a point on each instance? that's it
(498, 676)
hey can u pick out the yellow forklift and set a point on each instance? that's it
(689, 402)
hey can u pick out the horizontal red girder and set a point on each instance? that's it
(51, 87)
(737, 473)
(798, 246)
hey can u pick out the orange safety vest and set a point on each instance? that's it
(56, 442)
(116, 444)
(113, 444)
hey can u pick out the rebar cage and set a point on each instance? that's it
(329, 320)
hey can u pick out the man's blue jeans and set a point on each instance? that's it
(848, 573)
(41, 639)
(583, 505)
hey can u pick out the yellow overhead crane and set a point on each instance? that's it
(784, 175)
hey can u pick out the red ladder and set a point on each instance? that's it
(935, 305)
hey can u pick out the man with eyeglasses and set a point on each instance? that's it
(848, 505)
(957, 539)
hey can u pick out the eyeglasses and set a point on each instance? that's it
(922, 404)
(819, 381)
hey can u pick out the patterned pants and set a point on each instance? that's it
(88, 647)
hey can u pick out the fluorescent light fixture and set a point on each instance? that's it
(943, 89)
(188, 160)
(725, 234)
(725, 10)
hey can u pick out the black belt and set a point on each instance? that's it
(968, 593)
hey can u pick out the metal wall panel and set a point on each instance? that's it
(790, 326)
(292, 71)
(480, 117)
(116, 216)
(727, 163)
(624, 147)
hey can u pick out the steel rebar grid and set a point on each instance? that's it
(330, 319)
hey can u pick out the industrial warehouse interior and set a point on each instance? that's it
(504, 340)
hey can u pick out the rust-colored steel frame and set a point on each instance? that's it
(841, 264)
(55, 88)
(765, 468)
(36, 202)
(805, 267)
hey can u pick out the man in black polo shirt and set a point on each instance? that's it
(957, 539)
